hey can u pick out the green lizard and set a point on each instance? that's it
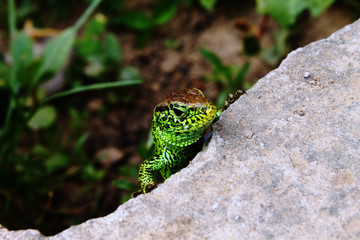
(178, 125)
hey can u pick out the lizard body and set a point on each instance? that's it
(178, 125)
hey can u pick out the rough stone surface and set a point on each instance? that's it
(283, 162)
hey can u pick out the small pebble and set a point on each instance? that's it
(306, 74)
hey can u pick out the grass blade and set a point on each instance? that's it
(96, 86)
(11, 19)
(86, 14)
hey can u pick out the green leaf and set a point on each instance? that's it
(22, 55)
(88, 47)
(164, 11)
(27, 75)
(222, 97)
(275, 53)
(80, 143)
(42, 118)
(129, 170)
(92, 174)
(57, 161)
(39, 150)
(208, 4)
(286, 12)
(89, 44)
(240, 76)
(96, 26)
(215, 61)
(56, 53)
(125, 184)
(112, 50)
(22, 49)
(136, 20)
(317, 7)
(247, 85)
(125, 198)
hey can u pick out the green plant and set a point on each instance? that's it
(30, 172)
(99, 49)
(286, 14)
(208, 4)
(144, 23)
(279, 49)
(230, 77)
(99, 57)
(21, 81)
(128, 173)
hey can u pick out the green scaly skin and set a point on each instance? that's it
(178, 126)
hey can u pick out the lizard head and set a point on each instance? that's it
(183, 116)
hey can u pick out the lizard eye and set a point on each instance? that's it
(178, 112)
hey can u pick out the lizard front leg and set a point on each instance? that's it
(145, 174)
(232, 98)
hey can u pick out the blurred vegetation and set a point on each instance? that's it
(286, 12)
(42, 140)
(230, 77)
(27, 178)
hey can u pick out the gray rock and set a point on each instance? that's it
(29, 234)
(283, 162)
